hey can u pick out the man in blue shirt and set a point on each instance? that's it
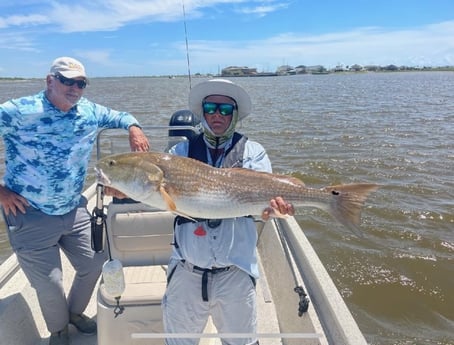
(213, 267)
(48, 139)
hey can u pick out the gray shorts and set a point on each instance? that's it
(231, 304)
(37, 238)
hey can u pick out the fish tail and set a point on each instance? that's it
(347, 203)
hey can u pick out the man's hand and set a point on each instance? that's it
(278, 208)
(11, 202)
(137, 139)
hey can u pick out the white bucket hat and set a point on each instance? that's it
(219, 87)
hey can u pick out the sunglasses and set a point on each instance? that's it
(81, 84)
(225, 109)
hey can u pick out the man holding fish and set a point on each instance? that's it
(213, 267)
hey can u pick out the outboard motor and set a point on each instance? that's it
(183, 118)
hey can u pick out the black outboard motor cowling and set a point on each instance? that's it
(183, 118)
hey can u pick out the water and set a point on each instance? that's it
(394, 129)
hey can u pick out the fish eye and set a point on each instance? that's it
(112, 162)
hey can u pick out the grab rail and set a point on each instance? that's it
(148, 130)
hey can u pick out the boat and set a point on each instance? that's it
(298, 303)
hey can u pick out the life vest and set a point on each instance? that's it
(233, 155)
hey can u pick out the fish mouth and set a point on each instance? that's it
(101, 177)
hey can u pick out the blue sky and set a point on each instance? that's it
(134, 37)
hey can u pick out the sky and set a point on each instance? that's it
(177, 37)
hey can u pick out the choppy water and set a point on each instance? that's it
(395, 129)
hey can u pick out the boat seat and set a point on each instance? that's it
(140, 237)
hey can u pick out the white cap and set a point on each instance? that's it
(219, 87)
(68, 67)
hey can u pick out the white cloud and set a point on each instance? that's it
(16, 42)
(107, 15)
(101, 15)
(23, 20)
(266, 7)
(102, 57)
(429, 45)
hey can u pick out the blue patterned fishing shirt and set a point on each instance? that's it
(47, 150)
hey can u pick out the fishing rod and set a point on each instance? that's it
(187, 45)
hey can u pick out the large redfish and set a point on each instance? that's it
(196, 190)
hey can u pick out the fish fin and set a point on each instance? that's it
(167, 199)
(347, 203)
(289, 179)
(171, 204)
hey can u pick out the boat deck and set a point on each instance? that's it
(267, 320)
(35, 326)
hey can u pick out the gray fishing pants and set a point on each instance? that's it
(231, 304)
(36, 238)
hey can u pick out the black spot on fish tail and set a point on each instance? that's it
(347, 203)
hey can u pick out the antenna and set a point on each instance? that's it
(187, 47)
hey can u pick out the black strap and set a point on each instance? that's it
(171, 274)
(212, 223)
(205, 286)
(205, 278)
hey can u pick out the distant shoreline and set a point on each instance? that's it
(198, 75)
